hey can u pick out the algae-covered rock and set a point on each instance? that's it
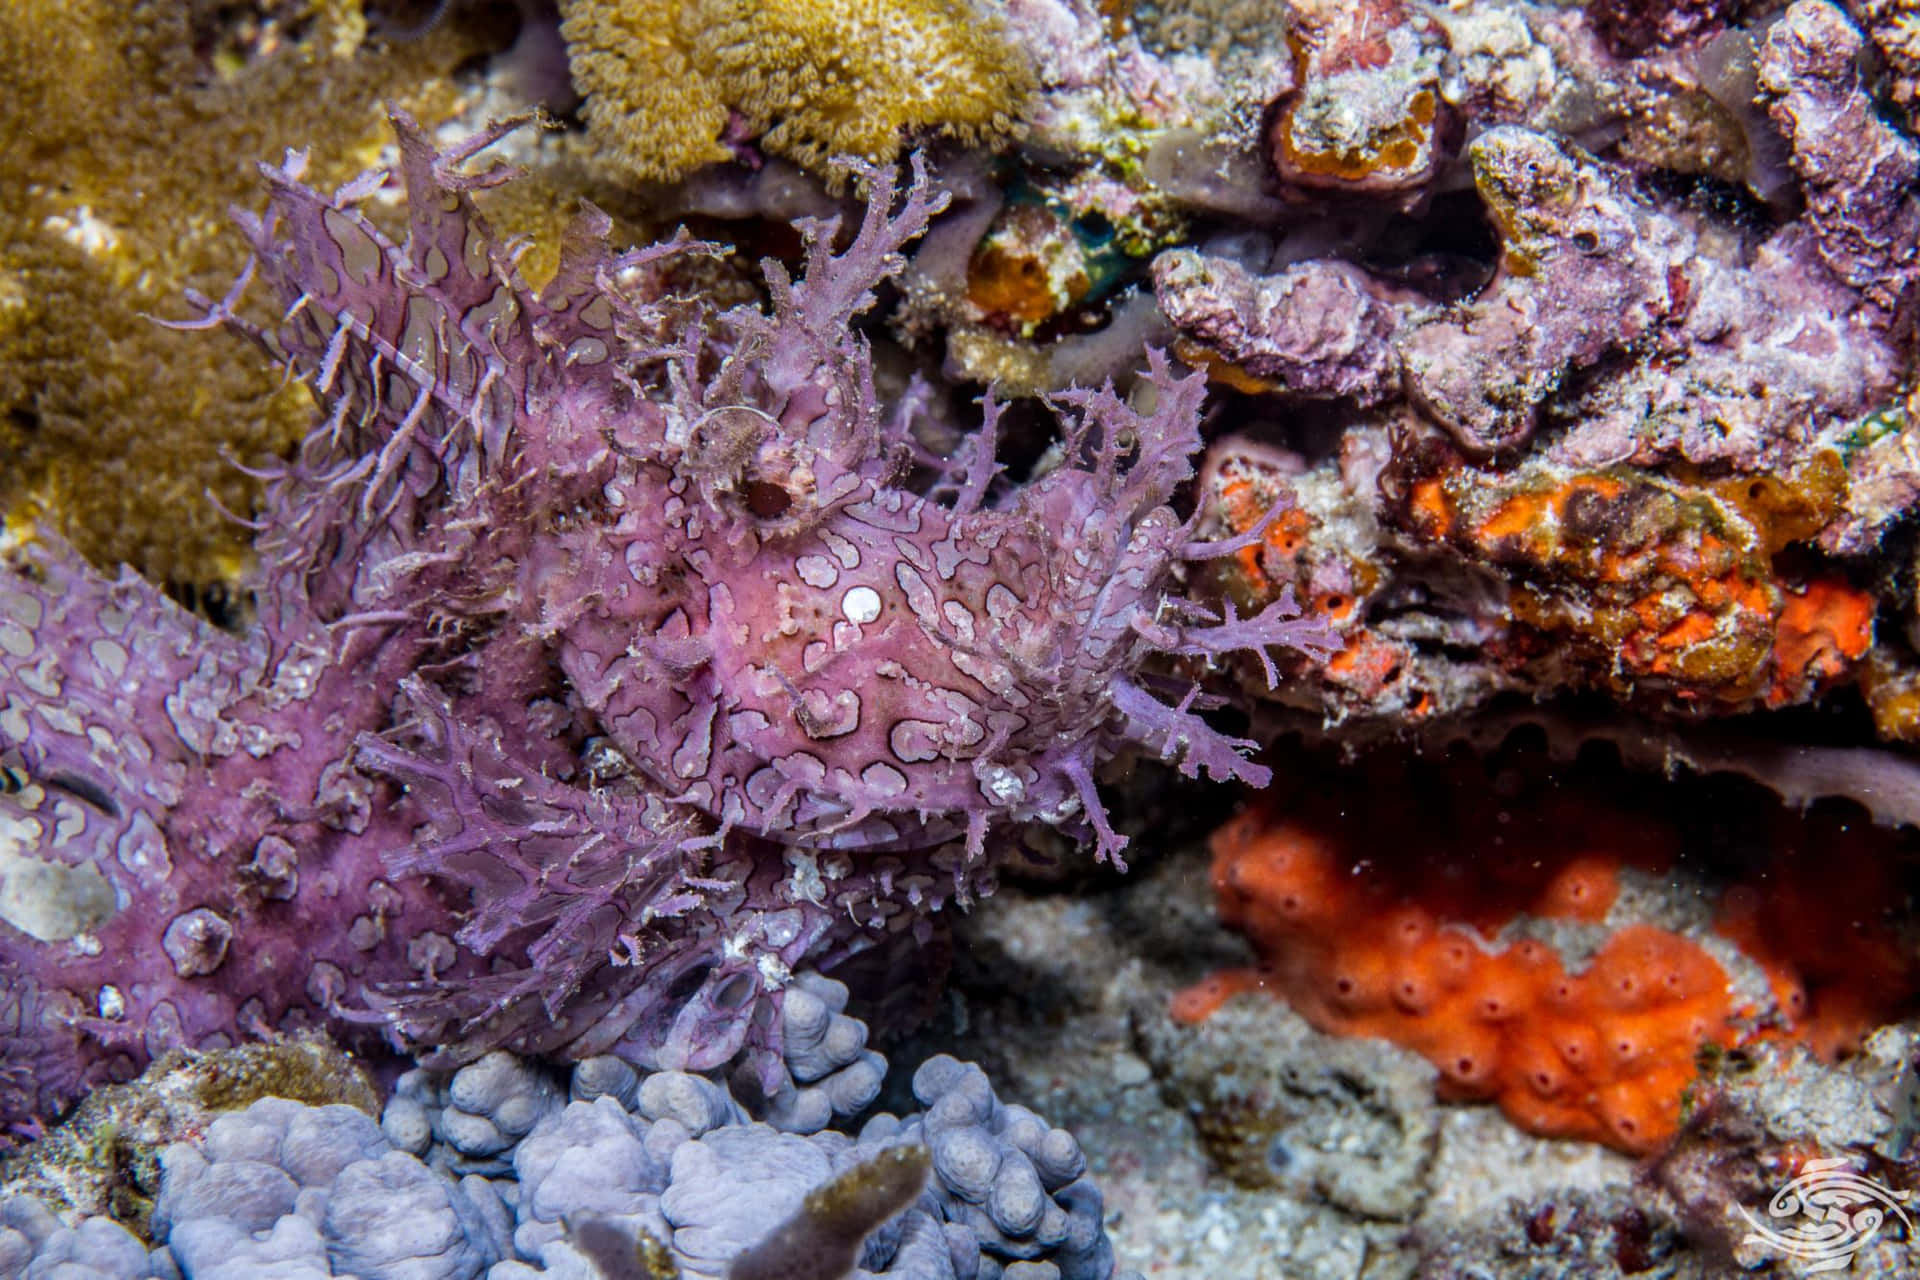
(104, 1160)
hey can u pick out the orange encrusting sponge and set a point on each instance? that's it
(1818, 923)
(1380, 948)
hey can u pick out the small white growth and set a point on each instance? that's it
(774, 972)
(1000, 784)
(805, 884)
(113, 1005)
(110, 655)
(84, 231)
(861, 605)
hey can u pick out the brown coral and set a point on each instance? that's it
(668, 85)
(127, 131)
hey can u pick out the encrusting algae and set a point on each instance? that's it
(670, 85)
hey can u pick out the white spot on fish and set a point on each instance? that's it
(818, 572)
(861, 605)
(1000, 784)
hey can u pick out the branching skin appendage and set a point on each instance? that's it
(604, 670)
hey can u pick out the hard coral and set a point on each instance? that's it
(127, 130)
(607, 605)
(670, 86)
(518, 1171)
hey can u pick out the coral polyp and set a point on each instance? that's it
(671, 87)
(608, 605)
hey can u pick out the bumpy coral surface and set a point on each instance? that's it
(1602, 1054)
(671, 87)
(607, 605)
(512, 1170)
(128, 131)
(1490, 945)
(1646, 436)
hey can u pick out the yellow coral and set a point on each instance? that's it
(814, 79)
(127, 130)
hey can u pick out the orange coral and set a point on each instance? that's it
(1651, 576)
(1368, 948)
(1369, 925)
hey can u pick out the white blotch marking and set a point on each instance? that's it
(16, 639)
(47, 901)
(22, 608)
(818, 572)
(861, 605)
(586, 351)
(914, 741)
(830, 717)
(111, 657)
(845, 552)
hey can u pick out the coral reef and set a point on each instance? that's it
(1758, 1122)
(103, 1159)
(667, 1167)
(1649, 454)
(114, 429)
(1366, 114)
(672, 87)
(607, 606)
(1487, 426)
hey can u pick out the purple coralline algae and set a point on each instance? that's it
(615, 653)
(1631, 417)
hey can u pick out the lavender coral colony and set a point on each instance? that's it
(672, 614)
